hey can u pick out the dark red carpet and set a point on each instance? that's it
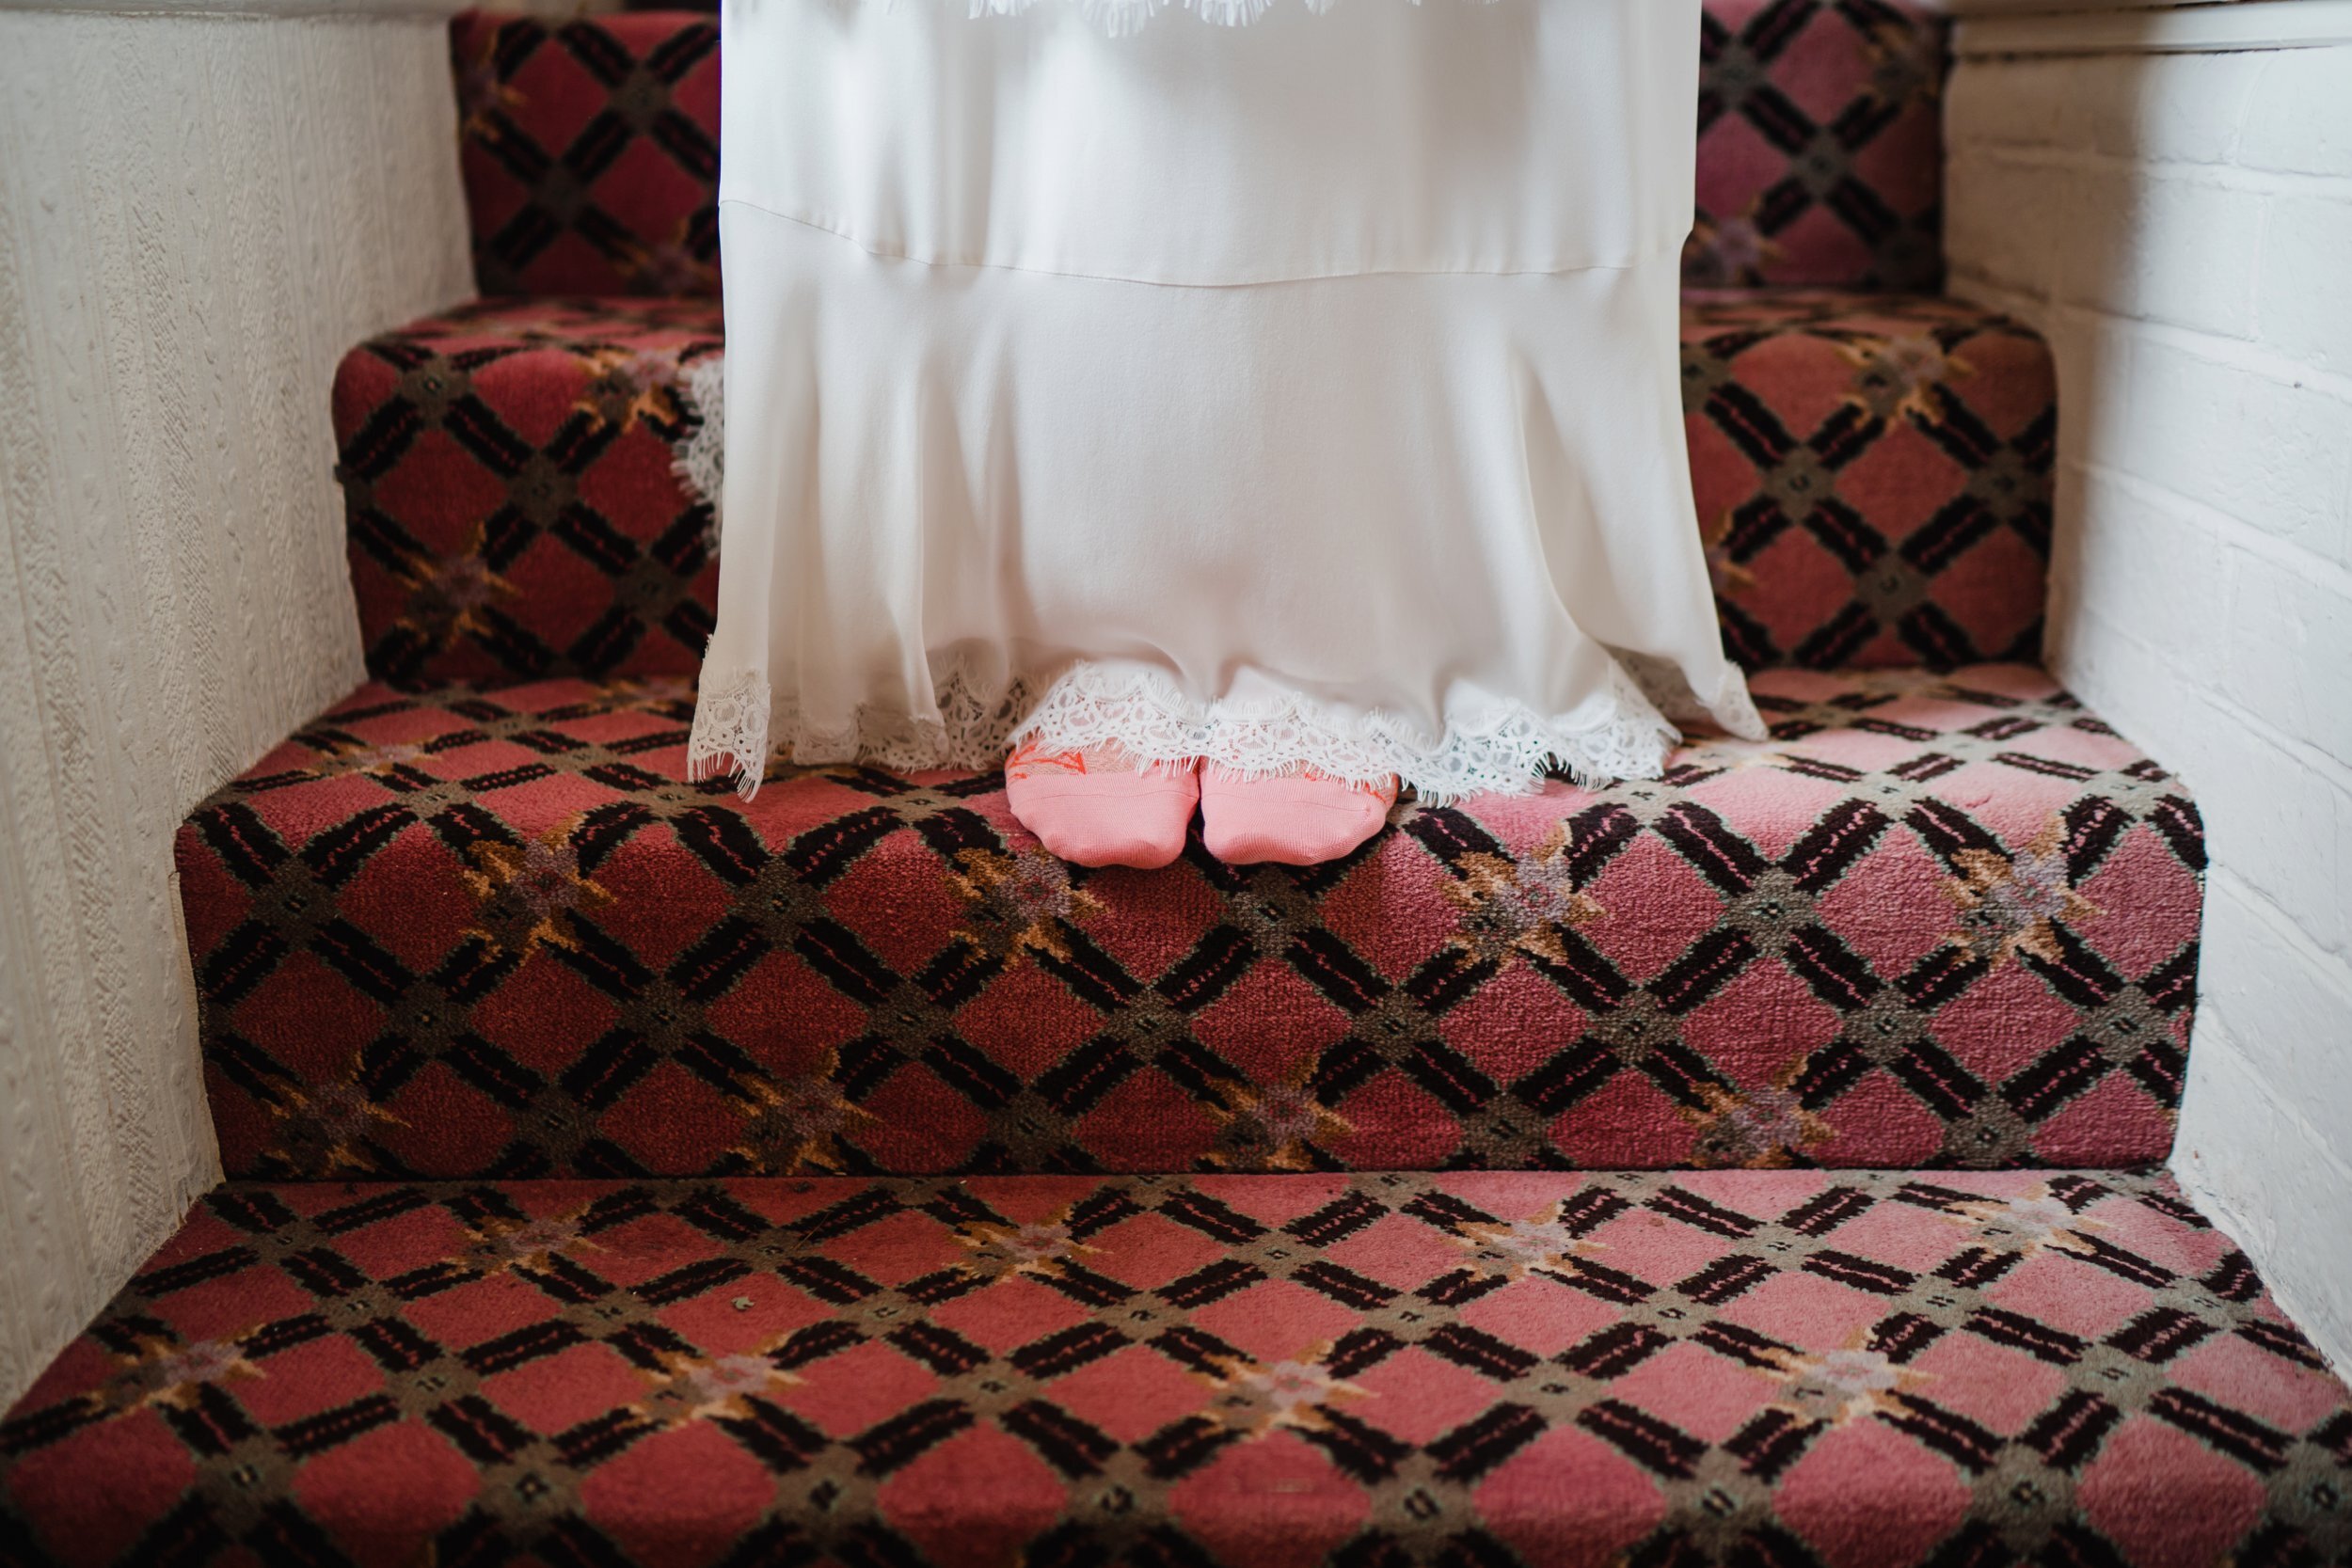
(1936, 921)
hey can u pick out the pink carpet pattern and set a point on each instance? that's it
(1872, 473)
(1498, 1368)
(1755, 1167)
(511, 492)
(591, 148)
(1932, 921)
(589, 151)
(1821, 144)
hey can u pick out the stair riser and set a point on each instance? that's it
(1821, 156)
(511, 495)
(1872, 476)
(1933, 923)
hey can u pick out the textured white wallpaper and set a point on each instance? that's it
(198, 214)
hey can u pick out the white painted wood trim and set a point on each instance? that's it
(2109, 29)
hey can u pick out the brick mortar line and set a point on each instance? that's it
(2191, 676)
(2250, 354)
(2328, 576)
(2202, 1184)
(2220, 174)
(2283, 927)
(2289, 1107)
(2226, 353)
(2296, 751)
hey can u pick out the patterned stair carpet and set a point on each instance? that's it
(1872, 474)
(1872, 469)
(1736, 1368)
(590, 146)
(625, 1174)
(1934, 921)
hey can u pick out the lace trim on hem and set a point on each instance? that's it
(1728, 705)
(1509, 753)
(699, 459)
(739, 728)
(730, 735)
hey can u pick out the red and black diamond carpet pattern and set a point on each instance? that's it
(589, 151)
(1502, 1367)
(1873, 471)
(590, 146)
(1934, 921)
(1821, 144)
(1873, 478)
(634, 1175)
(511, 499)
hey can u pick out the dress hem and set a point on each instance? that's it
(1508, 750)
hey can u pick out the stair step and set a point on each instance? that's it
(590, 148)
(1821, 156)
(590, 151)
(1873, 476)
(1872, 471)
(1872, 1371)
(467, 933)
(510, 491)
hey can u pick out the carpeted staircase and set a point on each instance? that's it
(1758, 1166)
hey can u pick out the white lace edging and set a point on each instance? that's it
(1728, 705)
(730, 735)
(700, 460)
(1506, 751)
(1124, 18)
(739, 727)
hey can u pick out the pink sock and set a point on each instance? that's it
(1290, 819)
(1097, 808)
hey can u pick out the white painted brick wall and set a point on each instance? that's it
(2181, 225)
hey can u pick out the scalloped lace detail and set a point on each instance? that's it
(1505, 752)
(730, 733)
(740, 728)
(1123, 18)
(1728, 705)
(700, 460)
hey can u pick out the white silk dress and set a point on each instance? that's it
(1296, 394)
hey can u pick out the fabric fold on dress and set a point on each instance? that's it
(1306, 397)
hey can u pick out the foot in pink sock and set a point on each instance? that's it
(1097, 808)
(1289, 820)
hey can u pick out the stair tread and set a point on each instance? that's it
(1872, 473)
(1937, 919)
(1860, 1368)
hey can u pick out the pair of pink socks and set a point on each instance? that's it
(1098, 808)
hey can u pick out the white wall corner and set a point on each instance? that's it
(2166, 192)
